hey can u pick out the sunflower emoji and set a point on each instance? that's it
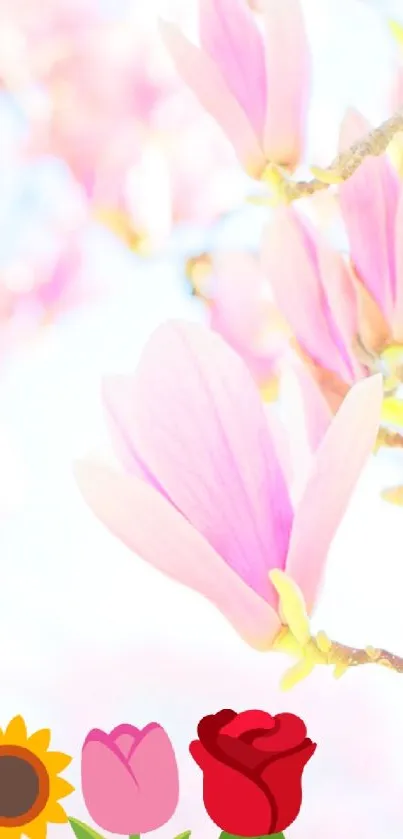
(29, 782)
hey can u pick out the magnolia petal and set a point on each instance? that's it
(289, 259)
(373, 329)
(397, 318)
(335, 471)
(288, 74)
(368, 201)
(153, 529)
(229, 34)
(201, 428)
(203, 77)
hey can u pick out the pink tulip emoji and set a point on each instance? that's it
(130, 778)
(203, 496)
(254, 81)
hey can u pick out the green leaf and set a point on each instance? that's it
(184, 835)
(225, 835)
(84, 831)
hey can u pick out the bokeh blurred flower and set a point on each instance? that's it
(30, 786)
(130, 778)
(204, 497)
(255, 86)
(44, 221)
(252, 767)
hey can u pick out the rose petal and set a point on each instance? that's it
(233, 801)
(283, 777)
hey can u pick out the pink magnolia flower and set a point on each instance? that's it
(130, 778)
(314, 290)
(255, 87)
(203, 496)
(242, 310)
(371, 203)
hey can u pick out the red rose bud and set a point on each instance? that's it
(252, 766)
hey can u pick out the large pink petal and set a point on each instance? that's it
(201, 428)
(335, 471)
(289, 259)
(110, 791)
(368, 202)
(154, 767)
(120, 405)
(229, 34)
(153, 529)
(203, 77)
(288, 71)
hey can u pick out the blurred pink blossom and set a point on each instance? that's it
(130, 778)
(148, 187)
(42, 275)
(203, 497)
(256, 86)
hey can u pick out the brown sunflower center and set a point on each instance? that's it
(24, 786)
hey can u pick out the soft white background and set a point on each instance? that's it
(91, 636)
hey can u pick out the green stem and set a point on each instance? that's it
(225, 835)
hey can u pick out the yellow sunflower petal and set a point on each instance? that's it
(36, 829)
(57, 761)
(16, 731)
(54, 813)
(61, 788)
(39, 741)
(10, 832)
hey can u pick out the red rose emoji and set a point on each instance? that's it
(252, 767)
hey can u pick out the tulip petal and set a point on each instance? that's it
(288, 71)
(203, 77)
(229, 34)
(233, 801)
(151, 527)
(201, 428)
(368, 202)
(154, 766)
(290, 261)
(110, 791)
(283, 779)
(335, 471)
(125, 736)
